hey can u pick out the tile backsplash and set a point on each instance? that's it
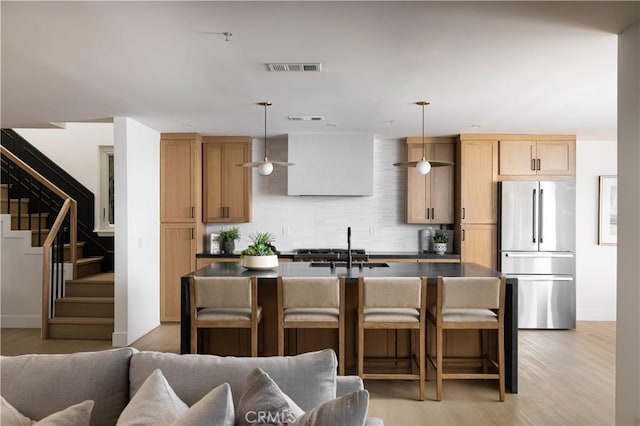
(377, 222)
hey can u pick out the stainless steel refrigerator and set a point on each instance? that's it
(537, 246)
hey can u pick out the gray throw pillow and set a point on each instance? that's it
(77, 415)
(157, 404)
(263, 403)
(347, 410)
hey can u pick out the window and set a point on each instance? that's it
(107, 193)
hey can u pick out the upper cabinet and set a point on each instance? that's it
(180, 177)
(478, 187)
(430, 197)
(226, 191)
(550, 157)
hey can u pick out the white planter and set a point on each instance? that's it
(440, 248)
(259, 262)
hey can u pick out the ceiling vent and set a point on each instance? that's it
(305, 118)
(317, 67)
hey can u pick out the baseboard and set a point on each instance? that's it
(119, 339)
(21, 321)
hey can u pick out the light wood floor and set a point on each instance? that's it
(565, 378)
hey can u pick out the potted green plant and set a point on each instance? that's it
(440, 241)
(260, 254)
(227, 238)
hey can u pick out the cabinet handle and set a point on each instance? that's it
(192, 237)
(538, 164)
(463, 213)
(533, 164)
(427, 212)
(193, 212)
(433, 213)
(463, 235)
(226, 212)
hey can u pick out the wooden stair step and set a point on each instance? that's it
(94, 307)
(81, 328)
(79, 250)
(10, 206)
(97, 285)
(29, 221)
(38, 237)
(89, 266)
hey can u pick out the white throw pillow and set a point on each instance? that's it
(78, 414)
(263, 403)
(157, 404)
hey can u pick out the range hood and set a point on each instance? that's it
(330, 164)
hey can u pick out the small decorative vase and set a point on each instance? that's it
(228, 247)
(440, 248)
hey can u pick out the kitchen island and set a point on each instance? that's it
(392, 345)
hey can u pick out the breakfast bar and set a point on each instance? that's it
(267, 299)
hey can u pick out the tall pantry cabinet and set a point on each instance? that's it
(477, 201)
(181, 225)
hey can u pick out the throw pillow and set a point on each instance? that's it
(263, 403)
(78, 414)
(156, 403)
(347, 410)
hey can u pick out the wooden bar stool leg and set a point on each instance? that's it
(501, 361)
(422, 366)
(439, 363)
(485, 350)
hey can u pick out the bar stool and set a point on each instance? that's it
(312, 302)
(469, 303)
(393, 303)
(224, 302)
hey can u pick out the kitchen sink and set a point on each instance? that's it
(344, 265)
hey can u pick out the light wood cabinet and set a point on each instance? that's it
(181, 227)
(430, 197)
(537, 157)
(180, 177)
(477, 183)
(479, 244)
(177, 258)
(226, 186)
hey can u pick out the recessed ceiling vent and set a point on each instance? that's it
(305, 118)
(317, 67)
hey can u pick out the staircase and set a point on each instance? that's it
(85, 310)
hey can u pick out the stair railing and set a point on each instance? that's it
(53, 269)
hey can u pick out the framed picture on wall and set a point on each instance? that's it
(608, 211)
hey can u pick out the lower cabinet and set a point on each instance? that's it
(479, 244)
(178, 257)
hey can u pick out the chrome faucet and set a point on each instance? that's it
(349, 259)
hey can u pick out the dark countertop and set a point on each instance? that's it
(302, 269)
(372, 255)
(431, 270)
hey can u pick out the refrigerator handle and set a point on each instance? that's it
(541, 210)
(533, 231)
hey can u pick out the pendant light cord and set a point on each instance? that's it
(424, 146)
(265, 130)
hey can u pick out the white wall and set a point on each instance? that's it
(628, 315)
(377, 222)
(595, 264)
(75, 149)
(137, 239)
(20, 278)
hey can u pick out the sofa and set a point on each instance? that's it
(38, 385)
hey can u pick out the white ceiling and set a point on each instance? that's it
(539, 67)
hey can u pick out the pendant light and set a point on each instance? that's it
(265, 167)
(423, 166)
